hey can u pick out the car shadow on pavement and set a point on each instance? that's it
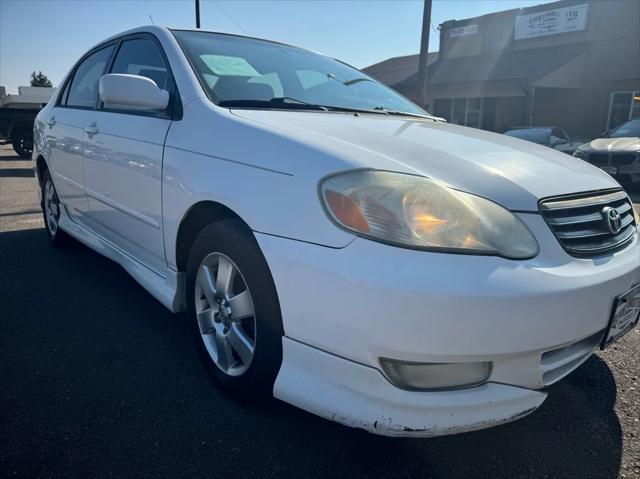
(97, 378)
(16, 173)
(12, 157)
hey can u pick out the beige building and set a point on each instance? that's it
(574, 64)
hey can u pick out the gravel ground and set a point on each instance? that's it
(97, 379)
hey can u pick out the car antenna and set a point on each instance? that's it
(151, 19)
(224, 12)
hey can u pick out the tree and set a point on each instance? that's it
(40, 79)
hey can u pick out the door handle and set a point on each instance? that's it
(51, 121)
(91, 130)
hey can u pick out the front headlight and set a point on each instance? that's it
(415, 212)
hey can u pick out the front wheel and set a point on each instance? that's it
(234, 309)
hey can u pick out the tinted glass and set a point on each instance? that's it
(620, 108)
(238, 69)
(84, 87)
(537, 135)
(631, 129)
(65, 92)
(141, 57)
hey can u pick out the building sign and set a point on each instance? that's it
(462, 31)
(551, 22)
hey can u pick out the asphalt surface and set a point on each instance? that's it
(97, 379)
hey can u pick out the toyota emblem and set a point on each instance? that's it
(612, 219)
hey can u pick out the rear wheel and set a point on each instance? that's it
(235, 309)
(51, 211)
(22, 145)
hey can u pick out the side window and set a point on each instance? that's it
(63, 96)
(83, 91)
(141, 56)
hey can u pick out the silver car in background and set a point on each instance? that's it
(617, 152)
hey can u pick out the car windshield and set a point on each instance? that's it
(249, 73)
(537, 135)
(630, 129)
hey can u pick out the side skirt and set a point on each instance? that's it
(167, 287)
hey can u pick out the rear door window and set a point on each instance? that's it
(83, 92)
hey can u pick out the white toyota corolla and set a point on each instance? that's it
(334, 245)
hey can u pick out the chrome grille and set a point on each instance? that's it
(580, 225)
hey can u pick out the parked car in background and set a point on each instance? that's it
(550, 136)
(16, 126)
(617, 152)
(334, 245)
(17, 114)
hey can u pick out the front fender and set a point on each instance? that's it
(216, 157)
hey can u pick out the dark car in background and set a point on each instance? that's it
(617, 152)
(16, 127)
(550, 136)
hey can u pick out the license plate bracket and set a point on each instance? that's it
(625, 315)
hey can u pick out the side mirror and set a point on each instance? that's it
(559, 141)
(132, 91)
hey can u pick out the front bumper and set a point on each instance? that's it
(535, 320)
(359, 396)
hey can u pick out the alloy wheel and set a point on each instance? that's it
(225, 314)
(51, 207)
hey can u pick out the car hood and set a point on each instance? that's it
(630, 145)
(509, 171)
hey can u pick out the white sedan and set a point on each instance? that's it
(336, 246)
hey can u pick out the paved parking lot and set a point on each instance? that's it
(98, 379)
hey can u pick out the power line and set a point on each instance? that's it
(229, 17)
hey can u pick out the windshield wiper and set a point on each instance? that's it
(276, 102)
(348, 109)
(287, 100)
(390, 111)
(356, 80)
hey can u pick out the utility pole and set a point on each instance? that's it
(424, 53)
(197, 13)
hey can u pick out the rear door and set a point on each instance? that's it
(65, 130)
(123, 159)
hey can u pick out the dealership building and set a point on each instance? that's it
(571, 64)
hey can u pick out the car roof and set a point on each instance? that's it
(533, 128)
(158, 29)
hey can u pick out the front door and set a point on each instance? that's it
(123, 161)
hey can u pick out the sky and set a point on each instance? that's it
(51, 35)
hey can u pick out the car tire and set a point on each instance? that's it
(239, 341)
(51, 209)
(22, 145)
